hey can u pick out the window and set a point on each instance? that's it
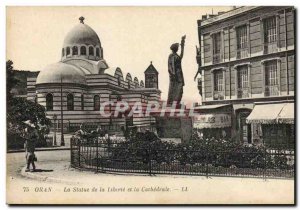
(68, 51)
(216, 47)
(218, 81)
(75, 50)
(119, 81)
(271, 79)
(270, 30)
(82, 50)
(270, 35)
(49, 102)
(63, 52)
(82, 102)
(242, 42)
(128, 84)
(242, 82)
(243, 77)
(97, 52)
(96, 102)
(218, 84)
(70, 102)
(91, 51)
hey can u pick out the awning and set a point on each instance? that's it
(286, 115)
(272, 113)
(214, 106)
(212, 121)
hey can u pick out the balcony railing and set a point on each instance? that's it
(216, 58)
(200, 86)
(242, 53)
(218, 95)
(270, 47)
(271, 90)
(243, 93)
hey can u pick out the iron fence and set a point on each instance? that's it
(100, 155)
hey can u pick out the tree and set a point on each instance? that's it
(20, 110)
(10, 79)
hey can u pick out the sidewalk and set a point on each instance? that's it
(199, 188)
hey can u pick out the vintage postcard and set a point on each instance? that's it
(150, 105)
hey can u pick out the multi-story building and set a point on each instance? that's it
(246, 62)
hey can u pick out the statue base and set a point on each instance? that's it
(175, 123)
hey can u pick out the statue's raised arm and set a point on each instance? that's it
(182, 46)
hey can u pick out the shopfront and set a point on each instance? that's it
(214, 121)
(276, 122)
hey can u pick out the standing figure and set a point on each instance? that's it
(175, 73)
(31, 138)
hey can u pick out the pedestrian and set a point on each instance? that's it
(31, 138)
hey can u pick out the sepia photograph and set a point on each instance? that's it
(156, 105)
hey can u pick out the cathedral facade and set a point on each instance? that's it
(75, 87)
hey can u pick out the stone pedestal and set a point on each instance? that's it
(174, 126)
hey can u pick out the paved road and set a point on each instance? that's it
(16, 161)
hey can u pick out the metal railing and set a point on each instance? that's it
(217, 58)
(270, 47)
(100, 155)
(218, 95)
(72, 127)
(243, 92)
(242, 53)
(271, 90)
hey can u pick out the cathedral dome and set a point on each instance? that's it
(82, 34)
(61, 72)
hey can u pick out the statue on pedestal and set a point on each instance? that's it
(175, 73)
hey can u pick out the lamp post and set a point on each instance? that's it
(54, 119)
(62, 142)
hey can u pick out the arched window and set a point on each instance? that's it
(82, 102)
(91, 51)
(97, 52)
(82, 50)
(96, 102)
(70, 102)
(49, 102)
(68, 51)
(63, 52)
(119, 81)
(75, 50)
(128, 84)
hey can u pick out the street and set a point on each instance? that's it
(57, 183)
(16, 161)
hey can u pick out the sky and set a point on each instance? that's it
(131, 38)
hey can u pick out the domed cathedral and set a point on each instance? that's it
(82, 81)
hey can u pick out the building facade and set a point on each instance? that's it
(82, 81)
(246, 59)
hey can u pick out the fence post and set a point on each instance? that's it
(206, 160)
(265, 163)
(101, 161)
(97, 155)
(79, 140)
(71, 149)
(149, 158)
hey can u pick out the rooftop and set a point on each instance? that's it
(211, 18)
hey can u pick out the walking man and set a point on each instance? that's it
(31, 138)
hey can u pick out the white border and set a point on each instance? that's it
(5, 3)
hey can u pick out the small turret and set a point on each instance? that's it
(151, 77)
